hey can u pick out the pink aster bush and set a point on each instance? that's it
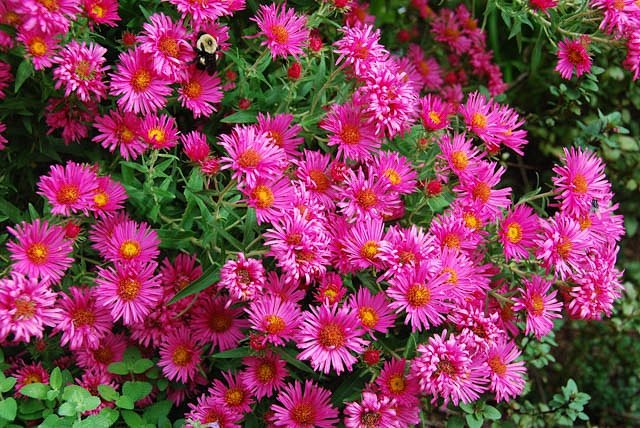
(344, 215)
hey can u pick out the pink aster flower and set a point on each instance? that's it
(129, 291)
(445, 369)
(200, 92)
(212, 320)
(480, 116)
(251, 155)
(131, 242)
(359, 47)
(421, 294)
(509, 135)
(120, 131)
(448, 30)
(264, 374)
(282, 133)
(270, 198)
(71, 117)
(331, 289)
(372, 411)
(27, 305)
(49, 17)
(40, 47)
(458, 154)
(580, 181)
(166, 42)
(109, 197)
(409, 248)
(27, 374)
(286, 32)
(177, 275)
(5, 78)
(276, 318)
(204, 12)
(479, 188)
(303, 406)
(313, 170)
(139, 87)
(451, 233)
(179, 356)
(327, 337)
(507, 375)
(632, 60)
(69, 188)
(540, 305)
(373, 311)
(83, 322)
(102, 11)
(395, 383)
(561, 245)
(40, 250)
(620, 16)
(428, 68)
(102, 230)
(159, 132)
(234, 393)
(209, 411)
(366, 196)
(397, 170)
(243, 278)
(3, 140)
(364, 247)
(80, 69)
(350, 129)
(517, 232)
(434, 113)
(195, 146)
(573, 57)
(110, 349)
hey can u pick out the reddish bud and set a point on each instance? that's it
(210, 166)
(423, 143)
(451, 78)
(71, 230)
(244, 104)
(315, 41)
(128, 38)
(338, 171)
(257, 342)
(294, 71)
(371, 356)
(433, 188)
(403, 36)
(340, 3)
(41, 345)
(231, 75)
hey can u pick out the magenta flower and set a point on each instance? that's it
(212, 320)
(397, 170)
(102, 230)
(373, 311)
(507, 375)
(479, 188)
(518, 231)
(235, 394)
(102, 11)
(80, 69)
(561, 245)
(264, 374)
(159, 132)
(26, 374)
(120, 131)
(313, 169)
(131, 242)
(428, 68)
(109, 197)
(458, 154)
(167, 44)
(351, 130)
(421, 294)
(364, 247)
(395, 383)
(195, 146)
(327, 337)
(434, 113)
(243, 278)
(69, 189)
(179, 356)
(372, 411)
(276, 318)
(27, 306)
(360, 48)
(110, 349)
(48, 17)
(573, 57)
(83, 322)
(541, 307)
(40, 250)
(364, 196)
(286, 32)
(40, 47)
(282, 133)
(210, 411)
(200, 92)
(304, 406)
(270, 198)
(139, 87)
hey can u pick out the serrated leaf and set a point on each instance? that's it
(132, 419)
(55, 380)
(157, 411)
(118, 368)
(35, 390)
(474, 421)
(208, 278)
(124, 402)
(7, 383)
(142, 365)
(107, 392)
(136, 390)
(67, 409)
(93, 421)
(492, 413)
(8, 409)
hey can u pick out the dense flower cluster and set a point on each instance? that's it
(343, 266)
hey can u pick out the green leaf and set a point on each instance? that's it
(136, 390)
(124, 402)
(89, 403)
(290, 357)
(243, 116)
(25, 70)
(157, 411)
(67, 409)
(132, 419)
(142, 365)
(118, 368)
(35, 390)
(75, 393)
(474, 421)
(232, 353)
(8, 409)
(110, 414)
(93, 421)
(467, 408)
(492, 413)
(55, 380)
(208, 278)
(7, 383)
(455, 422)
(108, 393)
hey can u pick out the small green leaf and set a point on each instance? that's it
(232, 353)
(455, 422)
(35, 390)
(93, 421)
(8, 409)
(243, 116)
(7, 383)
(118, 368)
(67, 409)
(89, 403)
(75, 394)
(55, 380)
(474, 421)
(108, 393)
(492, 413)
(132, 419)
(124, 402)
(25, 70)
(157, 411)
(136, 390)
(142, 365)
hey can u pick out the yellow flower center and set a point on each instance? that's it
(38, 253)
(320, 180)
(265, 372)
(514, 232)
(368, 317)
(580, 184)
(331, 336)
(479, 121)
(233, 397)
(537, 305)
(68, 194)
(435, 117)
(181, 356)
(369, 250)
(130, 249)
(275, 324)
(482, 191)
(263, 196)
(37, 46)
(280, 34)
(129, 289)
(459, 159)
(418, 295)
(451, 240)
(141, 80)
(366, 198)
(396, 383)
(350, 134)
(101, 198)
(249, 158)
(393, 176)
(169, 46)
(192, 89)
(303, 414)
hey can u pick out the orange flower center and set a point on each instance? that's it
(418, 295)
(233, 396)
(368, 317)
(396, 383)
(350, 134)
(497, 365)
(25, 309)
(331, 294)
(445, 366)
(366, 198)
(192, 89)
(125, 134)
(585, 222)
(280, 34)
(219, 322)
(157, 135)
(84, 71)
(406, 257)
(294, 238)
(537, 305)
(482, 191)
(169, 46)
(275, 324)
(97, 11)
(130, 249)
(101, 198)
(435, 117)
(37, 46)
(479, 120)
(83, 317)
(103, 355)
(276, 138)
(370, 419)
(68, 194)
(423, 67)
(38, 253)
(181, 356)
(303, 414)
(320, 180)
(331, 336)
(369, 250)
(580, 184)
(263, 196)
(453, 275)
(266, 372)
(51, 5)
(32, 377)
(249, 159)
(574, 56)
(141, 80)
(451, 240)
(471, 221)
(129, 289)
(459, 159)
(564, 247)
(514, 232)
(393, 176)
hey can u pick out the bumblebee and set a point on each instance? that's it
(206, 53)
